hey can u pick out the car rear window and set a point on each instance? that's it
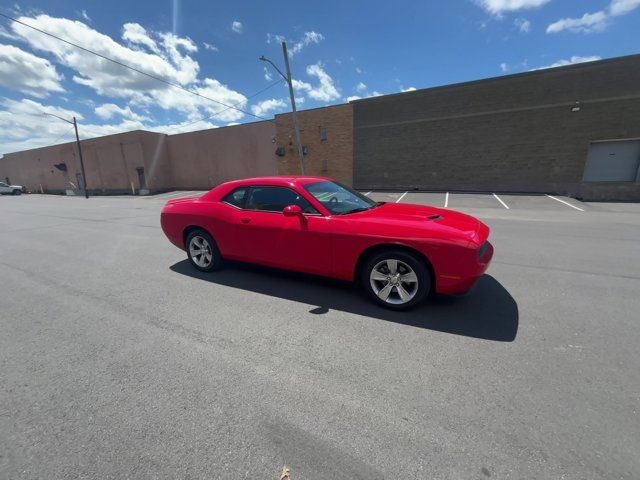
(236, 198)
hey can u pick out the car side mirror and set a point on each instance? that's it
(292, 211)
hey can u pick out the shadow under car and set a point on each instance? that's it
(489, 312)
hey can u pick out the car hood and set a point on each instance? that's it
(410, 220)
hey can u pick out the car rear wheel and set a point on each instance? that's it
(17, 192)
(202, 251)
(396, 279)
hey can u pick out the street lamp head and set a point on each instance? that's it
(263, 58)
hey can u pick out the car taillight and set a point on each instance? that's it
(482, 250)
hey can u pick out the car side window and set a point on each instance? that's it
(274, 199)
(2, 184)
(237, 197)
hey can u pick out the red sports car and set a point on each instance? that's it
(398, 252)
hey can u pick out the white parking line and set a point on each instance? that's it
(401, 197)
(446, 200)
(566, 203)
(367, 194)
(503, 204)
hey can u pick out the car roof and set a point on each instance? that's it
(285, 180)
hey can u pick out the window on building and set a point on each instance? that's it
(325, 164)
(323, 134)
(274, 199)
(236, 198)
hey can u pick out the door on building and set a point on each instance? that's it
(617, 161)
(142, 181)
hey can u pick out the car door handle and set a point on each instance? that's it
(245, 220)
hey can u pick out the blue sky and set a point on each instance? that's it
(340, 50)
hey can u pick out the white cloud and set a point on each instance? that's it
(162, 54)
(352, 98)
(275, 38)
(410, 89)
(27, 73)
(573, 60)
(325, 91)
(299, 85)
(136, 34)
(359, 71)
(268, 76)
(523, 25)
(597, 21)
(504, 67)
(296, 46)
(110, 110)
(361, 87)
(237, 26)
(208, 46)
(622, 7)
(85, 15)
(498, 7)
(588, 23)
(267, 106)
(23, 125)
(307, 39)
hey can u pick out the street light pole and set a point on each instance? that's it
(294, 112)
(75, 126)
(84, 178)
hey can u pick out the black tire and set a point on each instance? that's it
(199, 240)
(406, 263)
(17, 192)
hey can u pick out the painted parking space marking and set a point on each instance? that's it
(401, 197)
(384, 196)
(566, 203)
(367, 194)
(500, 200)
(446, 200)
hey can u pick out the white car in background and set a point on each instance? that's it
(10, 189)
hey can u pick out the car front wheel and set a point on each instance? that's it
(396, 279)
(202, 251)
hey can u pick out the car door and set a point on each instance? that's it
(267, 236)
(4, 188)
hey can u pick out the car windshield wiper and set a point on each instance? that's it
(362, 209)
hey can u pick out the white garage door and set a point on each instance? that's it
(613, 162)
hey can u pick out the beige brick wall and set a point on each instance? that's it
(332, 157)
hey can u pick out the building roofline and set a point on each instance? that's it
(532, 73)
(216, 128)
(314, 108)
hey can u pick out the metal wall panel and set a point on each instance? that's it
(613, 162)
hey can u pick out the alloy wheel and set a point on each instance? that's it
(394, 281)
(200, 251)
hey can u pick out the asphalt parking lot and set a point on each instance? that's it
(120, 361)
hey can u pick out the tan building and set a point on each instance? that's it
(200, 160)
(327, 137)
(141, 162)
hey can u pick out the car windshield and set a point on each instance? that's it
(339, 199)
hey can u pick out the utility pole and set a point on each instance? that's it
(294, 113)
(84, 178)
(75, 126)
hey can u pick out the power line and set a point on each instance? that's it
(61, 136)
(277, 82)
(141, 72)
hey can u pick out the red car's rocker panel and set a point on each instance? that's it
(325, 231)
